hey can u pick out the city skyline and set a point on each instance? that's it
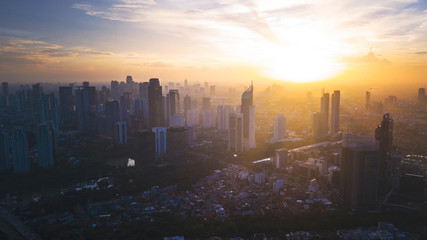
(218, 41)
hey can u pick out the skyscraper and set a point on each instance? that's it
(324, 107)
(279, 127)
(319, 124)
(384, 134)
(235, 133)
(367, 101)
(21, 161)
(4, 149)
(421, 95)
(46, 145)
(82, 108)
(5, 94)
(125, 105)
(248, 112)
(335, 112)
(173, 105)
(112, 116)
(115, 90)
(155, 103)
(121, 132)
(360, 157)
(66, 105)
(129, 80)
(187, 106)
(206, 104)
(160, 134)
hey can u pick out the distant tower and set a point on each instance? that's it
(115, 90)
(66, 105)
(279, 127)
(384, 134)
(121, 133)
(319, 124)
(82, 108)
(206, 104)
(223, 115)
(235, 133)
(5, 93)
(212, 90)
(173, 105)
(421, 95)
(46, 145)
(21, 161)
(4, 149)
(187, 107)
(335, 112)
(155, 103)
(129, 80)
(112, 116)
(248, 112)
(160, 134)
(324, 107)
(360, 157)
(368, 101)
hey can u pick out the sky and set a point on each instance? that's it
(382, 41)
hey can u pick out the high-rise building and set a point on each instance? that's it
(155, 103)
(4, 149)
(66, 105)
(125, 105)
(46, 145)
(82, 108)
(319, 124)
(367, 101)
(187, 106)
(193, 117)
(121, 132)
(209, 119)
(335, 112)
(206, 104)
(212, 90)
(248, 112)
(129, 80)
(49, 110)
(235, 133)
(85, 84)
(281, 158)
(21, 161)
(5, 94)
(173, 105)
(421, 95)
(360, 157)
(384, 134)
(36, 95)
(160, 135)
(177, 141)
(143, 89)
(279, 127)
(112, 116)
(324, 107)
(115, 90)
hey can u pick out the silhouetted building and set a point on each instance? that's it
(279, 127)
(324, 107)
(248, 112)
(320, 125)
(49, 110)
(360, 166)
(367, 101)
(206, 104)
(143, 89)
(145, 147)
(173, 105)
(66, 106)
(5, 94)
(187, 106)
(223, 116)
(177, 140)
(155, 103)
(36, 95)
(384, 134)
(125, 105)
(335, 112)
(121, 133)
(21, 161)
(129, 80)
(82, 109)
(160, 134)
(115, 90)
(46, 145)
(235, 133)
(212, 90)
(421, 95)
(4, 149)
(209, 119)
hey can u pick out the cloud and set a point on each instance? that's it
(421, 53)
(23, 51)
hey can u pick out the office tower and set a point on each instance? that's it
(187, 106)
(206, 88)
(82, 108)
(21, 161)
(155, 103)
(4, 149)
(143, 89)
(121, 132)
(235, 133)
(248, 112)
(279, 127)
(85, 84)
(173, 105)
(112, 116)
(160, 135)
(206, 104)
(125, 105)
(46, 145)
(421, 95)
(209, 119)
(129, 80)
(36, 95)
(281, 158)
(212, 90)
(367, 101)
(145, 147)
(324, 107)
(177, 120)
(165, 112)
(141, 111)
(177, 140)
(360, 165)
(115, 90)
(335, 112)
(193, 117)
(66, 105)
(5, 94)
(384, 134)
(223, 116)
(319, 124)
(49, 110)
